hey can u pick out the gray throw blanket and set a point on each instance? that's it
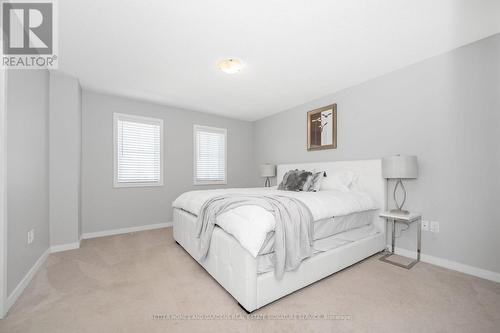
(293, 230)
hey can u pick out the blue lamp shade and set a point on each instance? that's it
(400, 167)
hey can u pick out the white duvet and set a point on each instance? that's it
(251, 224)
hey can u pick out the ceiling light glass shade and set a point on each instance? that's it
(230, 66)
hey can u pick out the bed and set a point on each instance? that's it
(248, 276)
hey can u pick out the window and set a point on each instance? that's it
(138, 152)
(209, 155)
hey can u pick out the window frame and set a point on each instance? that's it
(197, 182)
(138, 119)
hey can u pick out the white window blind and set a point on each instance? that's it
(210, 155)
(138, 150)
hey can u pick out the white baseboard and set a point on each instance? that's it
(64, 247)
(88, 235)
(453, 265)
(12, 298)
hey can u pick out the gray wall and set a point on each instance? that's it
(65, 123)
(444, 110)
(105, 207)
(27, 170)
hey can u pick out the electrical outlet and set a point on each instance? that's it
(425, 225)
(31, 236)
(434, 226)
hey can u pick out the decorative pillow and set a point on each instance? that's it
(315, 181)
(295, 180)
(340, 181)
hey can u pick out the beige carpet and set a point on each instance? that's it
(144, 282)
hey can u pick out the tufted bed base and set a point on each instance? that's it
(236, 270)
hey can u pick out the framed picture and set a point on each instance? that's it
(322, 128)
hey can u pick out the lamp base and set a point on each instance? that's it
(400, 211)
(399, 207)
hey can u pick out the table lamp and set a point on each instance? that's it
(267, 170)
(400, 167)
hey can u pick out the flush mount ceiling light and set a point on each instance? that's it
(230, 66)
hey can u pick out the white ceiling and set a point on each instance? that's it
(294, 51)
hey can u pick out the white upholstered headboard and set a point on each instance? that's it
(369, 174)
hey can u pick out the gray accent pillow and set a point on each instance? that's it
(315, 181)
(295, 180)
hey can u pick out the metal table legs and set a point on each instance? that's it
(385, 257)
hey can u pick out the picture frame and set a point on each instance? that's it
(322, 128)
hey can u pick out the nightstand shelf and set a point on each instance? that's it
(407, 219)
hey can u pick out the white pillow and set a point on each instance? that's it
(340, 181)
